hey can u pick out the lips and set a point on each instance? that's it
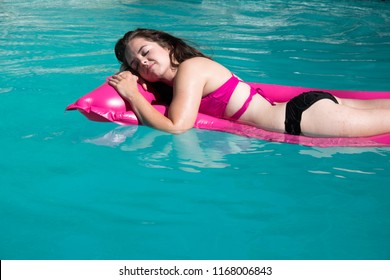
(149, 68)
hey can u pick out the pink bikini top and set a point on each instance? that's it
(215, 103)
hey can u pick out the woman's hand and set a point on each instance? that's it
(126, 84)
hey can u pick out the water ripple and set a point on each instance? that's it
(354, 171)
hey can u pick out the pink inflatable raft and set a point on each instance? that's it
(104, 104)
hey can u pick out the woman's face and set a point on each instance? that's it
(149, 59)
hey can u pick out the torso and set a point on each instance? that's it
(215, 102)
(214, 76)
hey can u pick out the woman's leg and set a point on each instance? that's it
(365, 104)
(328, 119)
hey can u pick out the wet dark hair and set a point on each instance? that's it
(179, 49)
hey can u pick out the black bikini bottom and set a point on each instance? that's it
(296, 106)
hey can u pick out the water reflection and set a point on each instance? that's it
(193, 150)
(330, 152)
(354, 163)
(200, 149)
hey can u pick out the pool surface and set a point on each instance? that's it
(75, 189)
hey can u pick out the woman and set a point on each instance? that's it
(202, 85)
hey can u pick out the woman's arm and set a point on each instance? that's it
(187, 93)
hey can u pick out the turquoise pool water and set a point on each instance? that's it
(75, 189)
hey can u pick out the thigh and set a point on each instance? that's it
(365, 104)
(328, 119)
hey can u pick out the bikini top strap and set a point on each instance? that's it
(245, 106)
(260, 91)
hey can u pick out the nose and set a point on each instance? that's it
(144, 61)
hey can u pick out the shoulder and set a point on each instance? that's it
(195, 70)
(191, 73)
(201, 74)
(198, 62)
(202, 66)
